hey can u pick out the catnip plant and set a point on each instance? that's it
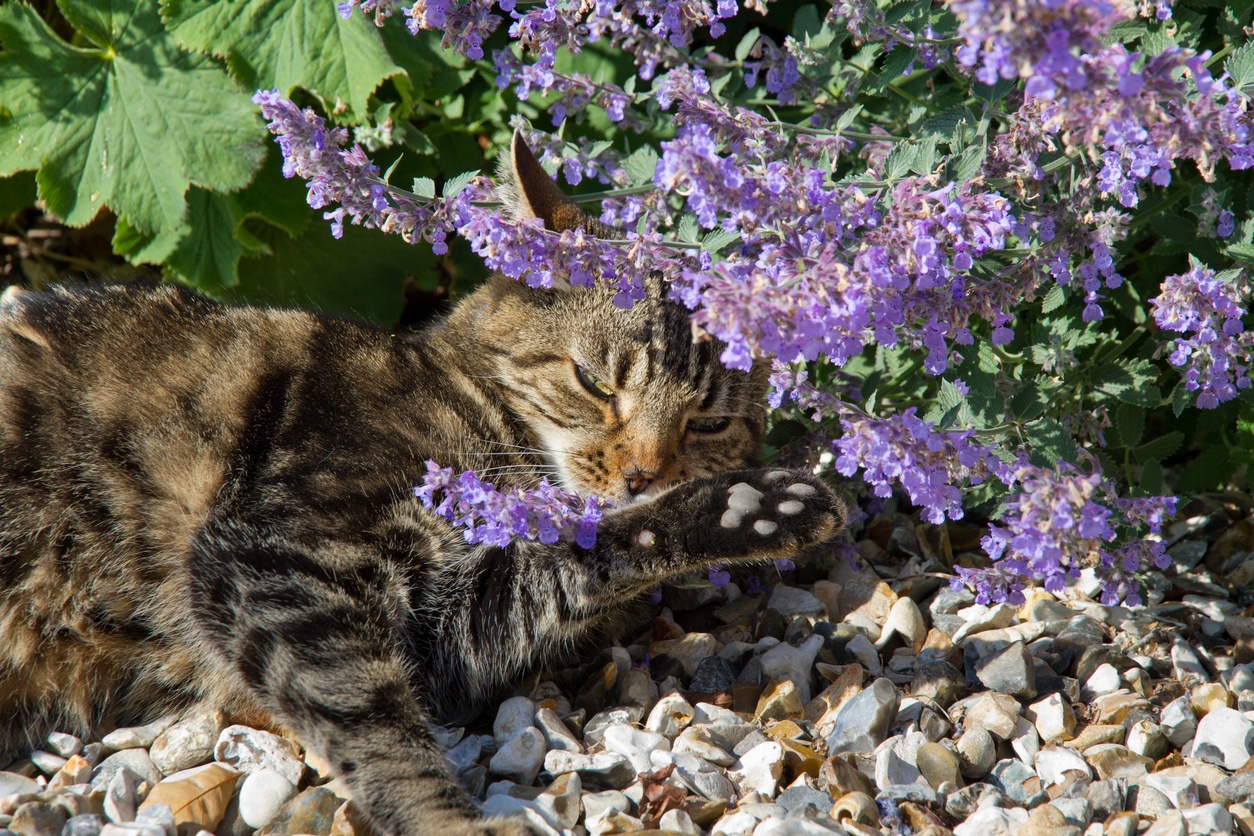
(953, 229)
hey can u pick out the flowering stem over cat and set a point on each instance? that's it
(496, 517)
(929, 276)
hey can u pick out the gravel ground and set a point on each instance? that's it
(856, 699)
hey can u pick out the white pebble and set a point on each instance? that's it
(261, 795)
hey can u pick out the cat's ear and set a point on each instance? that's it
(529, 192)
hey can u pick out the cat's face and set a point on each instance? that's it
(623, 403)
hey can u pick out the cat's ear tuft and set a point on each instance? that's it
(529, 192)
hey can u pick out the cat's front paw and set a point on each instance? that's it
(761, 514)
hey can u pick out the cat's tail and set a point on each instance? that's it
(528, 191)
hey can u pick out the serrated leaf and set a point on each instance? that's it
(995, 92)
(1029, 402)
(1159, 448)
(924, 156)
(1050, 442)
(1240, 65)
(1130, 381)
(717, 240)
(1054, 299)
(128, 121)
(687, 230)
(424, 187)
(894, 67)
(206, 258)
(944, 123)
(454, 185)
(1244, 253)
(1152, 478)
(1130, 421)
(846, 118)
(968, 164)
(640, 165)
(299, 43)
(900, 160)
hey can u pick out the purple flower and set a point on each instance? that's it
(496, 518)
(1216, 352)
(718, 575)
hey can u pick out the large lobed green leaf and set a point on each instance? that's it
(128, 122)
(300, 43)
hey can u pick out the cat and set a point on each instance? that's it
(211, 507)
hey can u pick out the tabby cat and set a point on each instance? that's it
(204, 506)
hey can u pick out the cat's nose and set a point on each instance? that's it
(639, 480)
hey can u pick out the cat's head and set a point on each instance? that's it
(624, 403)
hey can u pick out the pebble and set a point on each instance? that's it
(188, 742)
(1223, 737)
(1054, 762)
(602, 769)
(1009, 671)
(670, 716)
(519, 759)
(310, 812)
(977, 752)
(938, 765)
(863, 721)
(513, 715)
(793, 663)
(262, 794)
(760, 769)
(249, 750)
(136, 737)
(791, 601)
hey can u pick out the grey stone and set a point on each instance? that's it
(1208, 818)
(993, 821)
(84, 825)
(65, 745)
(712, 675)
(596, 803)
(136, 760)
(119, 798)
(964, 801)
(12, 783)
(467, 753)
(1010, 776)
(556, 734)
(699, 776)
(311, 812)
(790, 601)
(938, 681)
(794, 663)
(512, 716)
(1178, 721)
(1009, 671)
(863, 722)
(1236, 788)
(1077, 811)
(1170, 823)
(918, 793)
(801, 796)
(1150, 802)
(1107, 797)
(34, 818)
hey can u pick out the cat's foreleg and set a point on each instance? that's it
(314, 632)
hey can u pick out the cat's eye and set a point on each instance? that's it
(708, 425)
(594, 385)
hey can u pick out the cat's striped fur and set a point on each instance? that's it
(211, 506)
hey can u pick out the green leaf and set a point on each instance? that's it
(314, 270)
(641, 164)
(1050, 442)
(944, 123)
(746, 43)
(1152, 478)
(128, 121)
(1054, 299)
(1244, 253)
(717, 240)
(1209, 471)
(966, 165)
(1159, 448)
(454, 185)
(1240, 65)
(299, 43)
(424, 187)
(16, 193)
(687, 230)
(1130, 421)
(1130, 381)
